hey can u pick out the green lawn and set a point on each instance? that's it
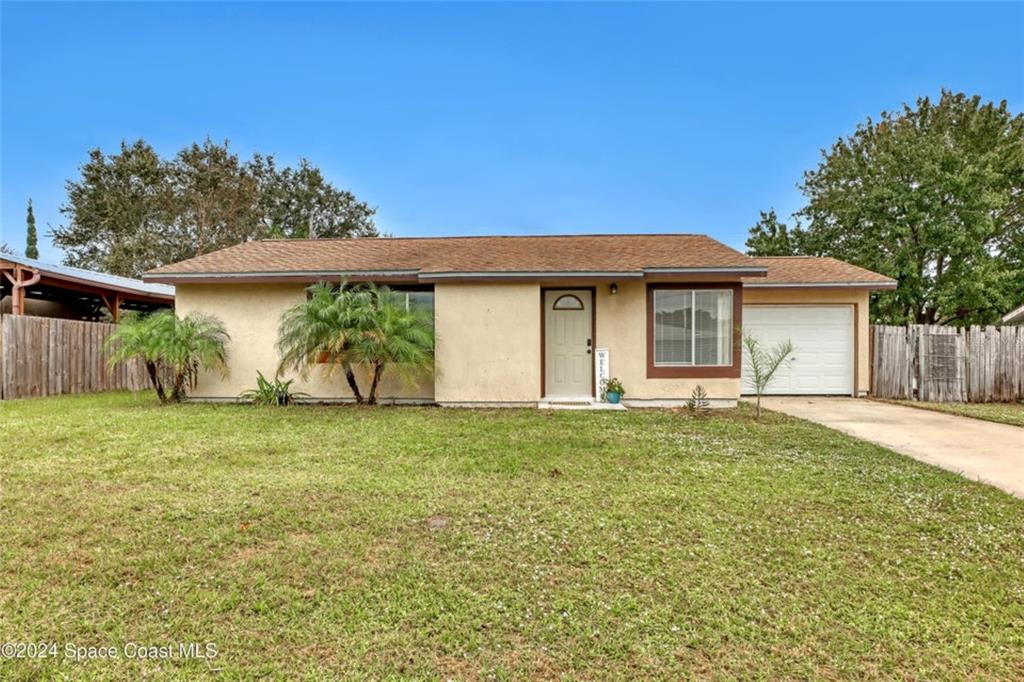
(643, 544)
(1004, 413)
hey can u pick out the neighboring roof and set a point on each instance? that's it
(1014, 316)
(89, 277)
(441, 258)
(816, 271)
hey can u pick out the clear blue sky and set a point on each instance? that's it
(502, 119)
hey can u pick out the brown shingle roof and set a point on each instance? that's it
(464, 255)
(814, 270)
(429, 258)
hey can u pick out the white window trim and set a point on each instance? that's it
(693, 328)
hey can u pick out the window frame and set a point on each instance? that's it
(729, 371)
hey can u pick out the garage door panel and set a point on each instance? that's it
(822, 362)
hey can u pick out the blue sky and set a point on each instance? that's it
(490, 118)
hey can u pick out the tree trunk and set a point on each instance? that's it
(350, 377)
(378, 369)
(154, 379)
(178, 393)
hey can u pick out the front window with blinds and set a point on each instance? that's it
(692, 327)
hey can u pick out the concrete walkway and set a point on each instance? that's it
(979, 450)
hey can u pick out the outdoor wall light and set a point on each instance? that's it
(614, 288)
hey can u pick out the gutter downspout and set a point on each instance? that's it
(18, 293)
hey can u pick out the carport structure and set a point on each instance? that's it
(31, 287)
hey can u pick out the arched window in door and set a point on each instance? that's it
(567, 302)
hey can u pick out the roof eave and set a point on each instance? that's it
(298, 276)
(819, 285)
(430, 277)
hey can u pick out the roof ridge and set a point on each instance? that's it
(792, 257)
(492, 236)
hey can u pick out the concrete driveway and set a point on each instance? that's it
(979, 450)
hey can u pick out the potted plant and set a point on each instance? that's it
(613, 390)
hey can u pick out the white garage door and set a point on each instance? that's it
(822, 363)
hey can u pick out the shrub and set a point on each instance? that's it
(274, 393)
(698, 404)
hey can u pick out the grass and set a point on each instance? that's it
(426, 543)
(1003, 413)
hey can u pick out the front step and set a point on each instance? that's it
(578, 404)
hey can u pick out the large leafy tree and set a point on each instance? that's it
(217, 198)
(133, 210)
(348, 326)
(31, 236)
(933, 196)
(120, 213)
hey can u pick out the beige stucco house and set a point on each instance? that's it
(529, 320)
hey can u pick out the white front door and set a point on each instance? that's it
(568, 343)
(822, 336)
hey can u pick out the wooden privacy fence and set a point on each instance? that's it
(948, 364)
(42, 356)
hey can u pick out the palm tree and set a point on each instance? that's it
(133, 338)
(174, 350)
(398, 336)
(356, 325)
(319, 331)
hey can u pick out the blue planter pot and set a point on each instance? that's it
(613, 397)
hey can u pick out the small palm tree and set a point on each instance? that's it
(396, 336)
(356, 325)
(762, 364)
(174, 350)
(133, 338)
(320, 330)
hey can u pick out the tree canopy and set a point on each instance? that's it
(933, 196)
(132, 210)
(770, 236)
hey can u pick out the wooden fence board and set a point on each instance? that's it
(948, 364)
(42, 356)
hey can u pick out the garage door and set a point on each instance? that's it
(822, 363)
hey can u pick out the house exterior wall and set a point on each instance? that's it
(251, 313)
(859, 298)
(622, 329)
(488, 343)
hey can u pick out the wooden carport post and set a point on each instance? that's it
(113, 306)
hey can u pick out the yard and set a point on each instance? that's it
(430, 543)
(1004, 413)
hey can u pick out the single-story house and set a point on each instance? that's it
(524, 320)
